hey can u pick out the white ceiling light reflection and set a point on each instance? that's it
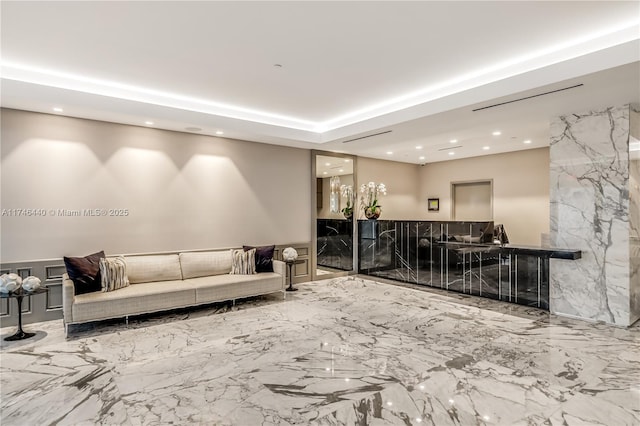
(453, 141)
(527, 141)
(497, 133)
(58, 109)
(219, 132)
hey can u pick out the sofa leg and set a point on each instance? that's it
(233, 303)
(126, 320)
(284, 294)
(66, 330)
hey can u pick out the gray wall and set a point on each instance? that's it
(520, 190)
(179, 191)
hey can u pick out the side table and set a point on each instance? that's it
(19, 295)
(290, 264)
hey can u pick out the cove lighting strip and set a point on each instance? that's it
(591, 43)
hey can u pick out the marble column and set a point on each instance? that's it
(634, 210)
(591, 211)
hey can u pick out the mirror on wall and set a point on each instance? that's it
(334, 183)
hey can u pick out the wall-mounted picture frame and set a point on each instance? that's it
(433, 204)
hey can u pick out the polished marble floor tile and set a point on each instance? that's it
(347, 351)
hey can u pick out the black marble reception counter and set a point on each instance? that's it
(335, 243)
(553, 253)
(457, 256)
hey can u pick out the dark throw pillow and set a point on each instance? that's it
(264, 257)
(85, 272)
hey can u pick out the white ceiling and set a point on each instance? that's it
(348, 69)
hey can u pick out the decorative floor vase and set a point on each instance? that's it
(372, 213)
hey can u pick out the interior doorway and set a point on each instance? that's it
(472, 201)
(333, 230)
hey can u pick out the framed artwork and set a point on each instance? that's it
(433, 204)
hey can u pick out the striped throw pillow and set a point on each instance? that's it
(243, 262)
(114, 273)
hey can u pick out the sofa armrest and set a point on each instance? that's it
(279, 267)
(68, 294)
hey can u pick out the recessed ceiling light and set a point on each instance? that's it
(421, 158)
(486, 148)
(341, 170)
(324, 173)
(418, 147)
(497, 133)
(389, 152)
(527, 141)
(453, 141)
(219, 132)
(346, 160)
(452, 153)
(327, 164)
(58, 109)
(149, 123)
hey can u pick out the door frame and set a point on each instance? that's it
(462, 182)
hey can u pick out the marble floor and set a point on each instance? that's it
(346, 351)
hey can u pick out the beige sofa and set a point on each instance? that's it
(169, 281)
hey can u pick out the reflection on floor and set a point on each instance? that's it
(325, 270)
(338, 352)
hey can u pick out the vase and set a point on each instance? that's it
(372, 213)
(348, 215)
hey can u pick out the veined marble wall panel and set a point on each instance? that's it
(634, 215)
(589, 177)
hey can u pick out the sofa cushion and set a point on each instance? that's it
(243, 262)
(113, 273)
(144, 269)
(264, 257)
(228, 287)
(85, 272)
(204, 263)
(133, 300)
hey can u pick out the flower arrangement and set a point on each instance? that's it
(369, 199)
(347, 192)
